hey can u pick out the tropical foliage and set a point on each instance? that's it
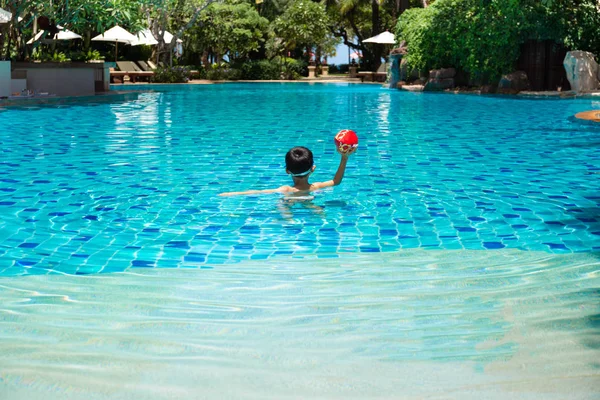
(478, 36)
(483, 37)
(178, 74)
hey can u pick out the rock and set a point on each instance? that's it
(582, 70)
(513, 83)
(402, 49)
(442, 73)
(412, 88)
(487, 89)
(435, 84)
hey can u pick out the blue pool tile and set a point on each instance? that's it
(366, 249)
(142, 264)
(195, 257)
(58, 214)
(493, 245)
(557, 246)
(26, 262)
(178, 244)
(29, 245)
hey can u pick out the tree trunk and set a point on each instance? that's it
(403, 6)
(376, 29)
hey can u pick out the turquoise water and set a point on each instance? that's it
(458, 259)
(87, 188)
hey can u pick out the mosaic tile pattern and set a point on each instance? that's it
(89, 188)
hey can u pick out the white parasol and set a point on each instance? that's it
(168, 38)
(383, 38)
(63, 34)
(5, 16)
(144, 37)
(116, 34)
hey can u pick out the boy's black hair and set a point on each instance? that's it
(298, 160)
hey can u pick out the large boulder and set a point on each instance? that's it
(513, 83)
(442, 73)
(437, 84)
(582, 70)
(440, 79)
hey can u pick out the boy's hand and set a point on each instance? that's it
(348, 153)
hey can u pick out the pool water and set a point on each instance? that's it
(90, 188)
(459, 258)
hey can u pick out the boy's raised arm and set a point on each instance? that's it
(339, 175)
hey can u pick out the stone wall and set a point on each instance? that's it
(63, 79)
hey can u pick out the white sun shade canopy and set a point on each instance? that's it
(144, 38)
(63, 34)
(169, 38)
(5, 16)
(116, 34)
(383, 38)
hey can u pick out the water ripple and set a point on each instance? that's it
(482, 324)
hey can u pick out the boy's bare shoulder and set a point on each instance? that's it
(286, 189)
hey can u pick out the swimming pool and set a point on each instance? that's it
(458, 257)
(102, 188)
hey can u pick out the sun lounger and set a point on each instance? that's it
(145, 67)
(130, 69)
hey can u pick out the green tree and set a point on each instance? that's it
(304, 24)
(83, 16)
(356, 20)
(178, 15)
(233, 27)
(483, 37)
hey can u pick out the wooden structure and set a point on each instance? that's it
(542, 61)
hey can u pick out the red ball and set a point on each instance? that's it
(346, 141)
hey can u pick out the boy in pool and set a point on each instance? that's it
(299, 164)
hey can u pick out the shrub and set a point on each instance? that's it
(293, 69)
(260, 70)
(58, 57)
(177, 74)
(86, 55)
(338, 69)
(480, 38)
(223, 71)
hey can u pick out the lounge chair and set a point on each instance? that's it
(131, 70)
(145, 67)
(378, 76)
(117, 76)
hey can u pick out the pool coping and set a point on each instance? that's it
(569, 94)
(105, 97)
